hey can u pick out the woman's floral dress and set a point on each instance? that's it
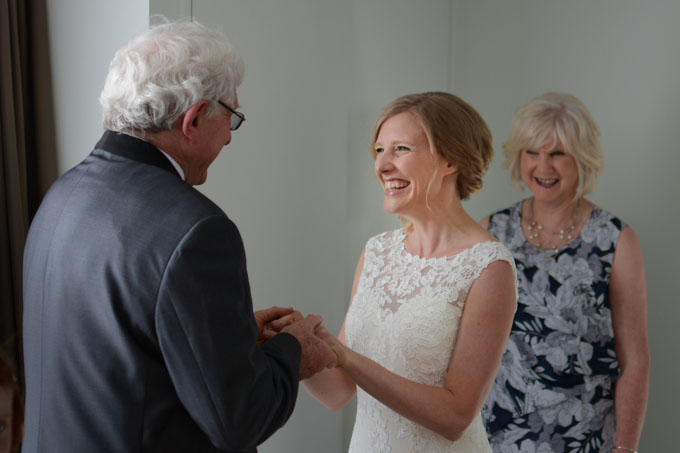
(555, 389)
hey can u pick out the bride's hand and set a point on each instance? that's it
(340, 350)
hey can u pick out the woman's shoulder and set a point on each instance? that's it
(490, 250)
(602, 226)
(600, 215)
(503, 216)
(385, 239)
(505, 224)
(493, 259)
(509, 210)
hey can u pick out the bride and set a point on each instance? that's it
(433, 302)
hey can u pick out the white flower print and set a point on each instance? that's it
(555, 387)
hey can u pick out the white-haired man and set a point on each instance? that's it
(139, 331)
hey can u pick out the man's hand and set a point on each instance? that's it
(316, 354)
(271, 320)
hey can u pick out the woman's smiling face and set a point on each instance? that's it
(404, 164)
(550, 173)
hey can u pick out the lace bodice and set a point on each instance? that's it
(405, 316)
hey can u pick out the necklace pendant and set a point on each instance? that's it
(534, 232)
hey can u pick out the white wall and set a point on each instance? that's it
(298, 179)
(400, 47)
(283, 177)
(84, 35)
(172, 9)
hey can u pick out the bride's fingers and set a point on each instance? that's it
(322, 332)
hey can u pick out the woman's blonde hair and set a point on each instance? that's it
(552, 119)
(454, 131)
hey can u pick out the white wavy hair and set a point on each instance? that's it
(158, 75)
(556, 118)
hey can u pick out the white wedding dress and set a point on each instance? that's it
(405, 316)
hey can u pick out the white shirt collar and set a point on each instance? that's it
(174, 163)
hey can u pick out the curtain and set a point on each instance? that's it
(27, 151)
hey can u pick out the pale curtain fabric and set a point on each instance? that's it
(27, 150)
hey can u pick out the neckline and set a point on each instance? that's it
(402, 249)
(566, 246)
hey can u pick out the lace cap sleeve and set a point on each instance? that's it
(479, 257)
(497, 251)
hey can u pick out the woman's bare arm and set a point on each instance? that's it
(628, 298)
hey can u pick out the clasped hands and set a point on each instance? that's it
(320, 349)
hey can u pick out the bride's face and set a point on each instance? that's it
(409, 172)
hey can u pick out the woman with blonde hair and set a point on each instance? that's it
(575, 373)
(432, 302)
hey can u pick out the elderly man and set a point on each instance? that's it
(139, 331)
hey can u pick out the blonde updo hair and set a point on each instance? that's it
(551, 119)
(454, 131)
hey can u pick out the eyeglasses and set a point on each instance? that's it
(237, 118)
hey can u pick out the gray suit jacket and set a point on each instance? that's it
(138, 321)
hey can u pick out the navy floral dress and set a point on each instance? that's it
(555, 388)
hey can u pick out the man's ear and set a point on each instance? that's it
(192, 120)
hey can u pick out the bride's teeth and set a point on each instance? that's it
(391, 185)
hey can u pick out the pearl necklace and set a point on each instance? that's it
(536, 228)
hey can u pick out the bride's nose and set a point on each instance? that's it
(384, 162)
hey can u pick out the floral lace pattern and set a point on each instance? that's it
(554, 391)
(405, 316)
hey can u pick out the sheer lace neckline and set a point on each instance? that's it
(400, 236)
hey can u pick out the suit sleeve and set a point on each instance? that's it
(238, 393)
